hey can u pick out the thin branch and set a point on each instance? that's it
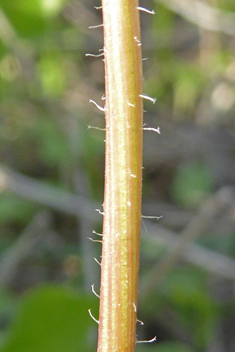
(210, 261)
(47, 195)
(210, 208)
(202, 15)
(30, 237)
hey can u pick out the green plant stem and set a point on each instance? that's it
(123, 176)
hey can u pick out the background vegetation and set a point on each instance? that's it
(51, 175)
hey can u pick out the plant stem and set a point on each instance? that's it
(123, 176)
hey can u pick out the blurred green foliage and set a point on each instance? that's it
(185, 290)
(192, 184)
(52, 318)
(46, 83)
(14, 210)
(31, 18)
(165, 347)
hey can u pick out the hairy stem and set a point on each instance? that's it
(123, 176)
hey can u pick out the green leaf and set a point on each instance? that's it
(26, 16)
(31, 18)
(52, 319)
(7, 310)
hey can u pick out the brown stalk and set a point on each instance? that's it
(123, 176)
